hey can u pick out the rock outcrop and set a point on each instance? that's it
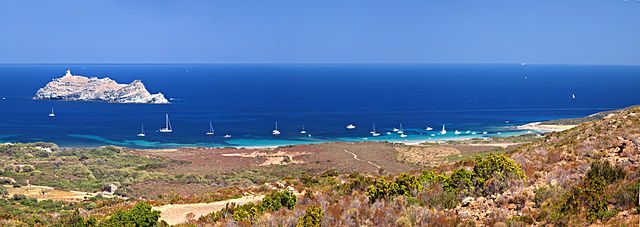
(79, 88)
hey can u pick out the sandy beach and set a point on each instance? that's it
(539, 126)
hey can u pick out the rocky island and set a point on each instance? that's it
(80, 88)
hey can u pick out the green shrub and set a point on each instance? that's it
(459, 180)
(605, 170)
(380, 189)
(407, 184)
(404, 185)
(74, 220)
(248, 212)
(427, 177)
(493, 172)
(140, 215)
(444, 200)
(357, 182)
(311, 218)
(626, 196)
(41, 154)
(277, 200)
(19, 197)
(330, 173)
(592, 197)
(3, 192)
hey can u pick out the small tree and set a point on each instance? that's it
(312, 217)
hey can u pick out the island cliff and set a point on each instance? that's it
(79, 88)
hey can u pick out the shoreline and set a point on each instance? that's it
(541, 126)
(417, 140)
(408, 142)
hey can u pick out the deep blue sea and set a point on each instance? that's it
(245, 101)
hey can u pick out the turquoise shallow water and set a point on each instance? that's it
(246, 100)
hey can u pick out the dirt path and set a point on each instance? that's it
(177, 213)
(45, 192)
(355, 156)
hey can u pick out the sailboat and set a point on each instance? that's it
(573, 96)
(167, 125)
(276, 131)
(52, 114)
(210, 132)
(400, 131)
(141, 134)
(443, 132)
(303, 131)
(373, 132)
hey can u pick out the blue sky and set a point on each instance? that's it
(326, 31)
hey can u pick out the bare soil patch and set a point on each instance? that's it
(179, 213)
(35, 191)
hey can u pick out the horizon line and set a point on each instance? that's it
(312, 63)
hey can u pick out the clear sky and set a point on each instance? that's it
(323, 31)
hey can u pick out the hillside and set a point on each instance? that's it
(585, 175)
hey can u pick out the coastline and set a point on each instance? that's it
(541, 126)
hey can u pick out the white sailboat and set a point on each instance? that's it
(52, 114)
(373, 132)
(400, 131)
(573, 96)
(210, 132)
(276, 131)
(443, 132)
(351, 126)
(303, 131)
(167, 125)
(141, 134)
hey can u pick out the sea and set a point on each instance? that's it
(246, 100)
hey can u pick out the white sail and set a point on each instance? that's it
(210, 132)
(141, 134)
(167, 125)
(276, 131)
(52, 114)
